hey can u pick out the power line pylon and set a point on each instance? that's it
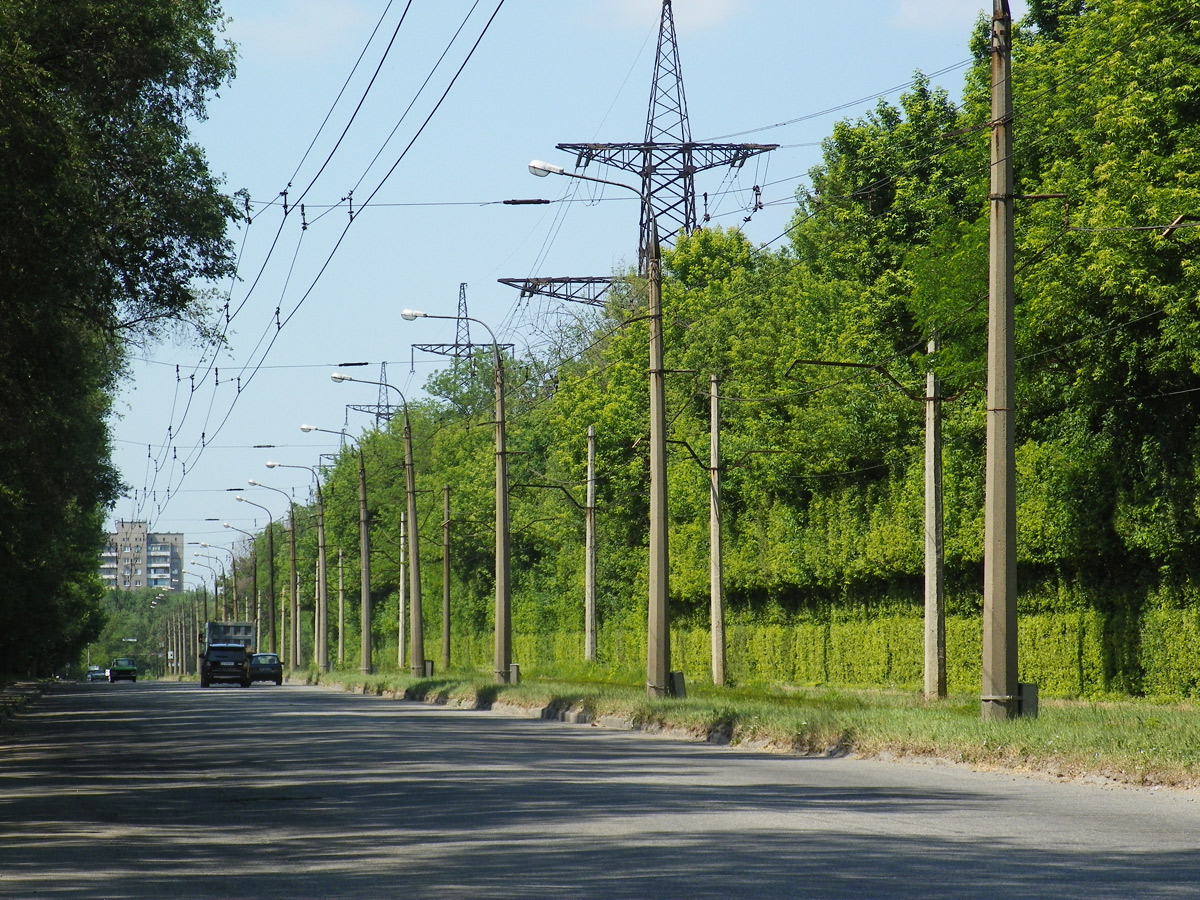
(383, 407)
(461, 348)
(667, 160)
(382, 410)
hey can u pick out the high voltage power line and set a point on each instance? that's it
(248, 370)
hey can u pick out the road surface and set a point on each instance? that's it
(155, 790)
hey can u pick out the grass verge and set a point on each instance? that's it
(1130, 742)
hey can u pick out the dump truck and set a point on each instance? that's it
(229, 633)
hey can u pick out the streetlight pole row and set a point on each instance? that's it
(322, 629)
(257, 616)
(416, 655)
(293, 644)
(364, 549)
(270, 569)
(233, 568)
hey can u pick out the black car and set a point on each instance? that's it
(224, 662)
(266, 667)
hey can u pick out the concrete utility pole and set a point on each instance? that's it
(290, 614)
(715, 577)
(658, 650)
(589, 552)
(446, 578)
(402, 594)
(271, 583)
(364, 551)
(321, 619)
(416, 630)
(503, 654)
(257, 617)
(935, 594)
(416, 649)
(341, 612)
(999, 698)
(296, 623)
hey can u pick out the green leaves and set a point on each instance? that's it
(112, 226)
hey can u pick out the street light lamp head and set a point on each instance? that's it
(339, 377)
(308, 428)
(542, 169)
(271, 464)
(409, 314)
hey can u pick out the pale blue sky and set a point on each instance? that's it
(546, 72)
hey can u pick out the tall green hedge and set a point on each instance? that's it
(1076, 653)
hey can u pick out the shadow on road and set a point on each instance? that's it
(150, 790)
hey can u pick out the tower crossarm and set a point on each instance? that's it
(379, 411)
(673, 159)
(667, 172)
(457, 350)
(589, 290)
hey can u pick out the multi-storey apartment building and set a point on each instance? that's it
(137, 558)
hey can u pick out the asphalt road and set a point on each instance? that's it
(155, 790)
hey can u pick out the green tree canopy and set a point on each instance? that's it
(112, 224)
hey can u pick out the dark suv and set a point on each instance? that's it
(224, 662)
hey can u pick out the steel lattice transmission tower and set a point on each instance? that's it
(461, 348)
(382, 410)
(383, 406)
(666, 160)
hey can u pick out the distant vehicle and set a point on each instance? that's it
(224, 663)
(266, 667)
(97, 674)
(123, 668)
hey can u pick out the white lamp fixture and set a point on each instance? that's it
(542, 169)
